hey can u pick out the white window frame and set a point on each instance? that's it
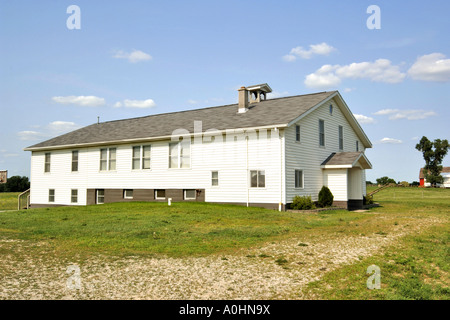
(47, 162)
(51, 195)
(108, 161)
(212, 179)
(302, 180)
(97, 196)
(181, 158)
(125, 196)
(257, 179)
(321, 134)
(75, 161)
(141, 157)
(160, 198)
(72, 196)
(185, 194)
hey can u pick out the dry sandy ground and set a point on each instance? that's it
(246, 274)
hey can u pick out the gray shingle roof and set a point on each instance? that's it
(265, 113)
(341, 158)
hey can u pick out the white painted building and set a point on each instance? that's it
(258, 153)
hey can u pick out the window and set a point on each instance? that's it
(322, 133)
(51, 195)
(190, 194)
(47, 163)
(103, 159)
(341, 138)
(136, 158)
(299, 178)
(214, 178)
(357, 145)
(74, 196)
(128, 194)
(257, 179)
(297, 133)
(74, 161)
(180, 154)
(108, 159)
(331, 109)
(160, 194)
(141, 160)
(100, 196)
(112, 159)
(146, 157)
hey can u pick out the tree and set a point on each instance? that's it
(17, 184)
(433, 158)
(385, 180)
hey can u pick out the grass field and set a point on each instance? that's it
(417, 267)
(182, 229)
(256, 253)
(8, 200)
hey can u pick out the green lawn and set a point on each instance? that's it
(154, 228)
(415, 268)
(8, 200)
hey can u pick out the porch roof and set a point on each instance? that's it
(342, 160)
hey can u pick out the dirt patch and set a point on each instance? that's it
(274, 271)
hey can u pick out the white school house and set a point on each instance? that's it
(259, 152)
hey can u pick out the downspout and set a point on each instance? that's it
(280, 205)
(247, 173)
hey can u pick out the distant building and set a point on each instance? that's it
(3, 176)
(445, 173)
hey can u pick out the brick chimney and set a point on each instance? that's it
(243, 100)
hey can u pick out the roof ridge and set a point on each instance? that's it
(212, 107)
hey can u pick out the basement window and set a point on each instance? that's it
(128, 194)
(100, 196)
(160, 194)
(190, 194)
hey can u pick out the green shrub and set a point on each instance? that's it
(302, 203)
(367, 200)
(325, 197)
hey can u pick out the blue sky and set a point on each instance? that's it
(135, 58)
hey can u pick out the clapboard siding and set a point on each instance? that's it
(307, 155)
(228, 158)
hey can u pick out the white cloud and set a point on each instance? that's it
(364, 119)
(59, 127)
(390, 141)
(192, 102)
(30, 135)
(85, 101)
(322, 49)
(346, 90)
(141, 104)
(411, 114)
(431, 67)
(381, 70)
(276, 94)
(134, 56)
(52, 129)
